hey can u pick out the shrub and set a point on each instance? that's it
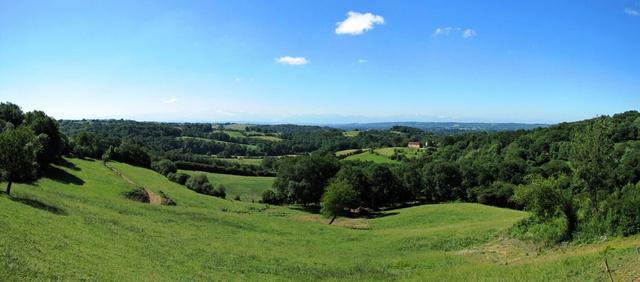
(200, 183)
(137, 194)
(164, 167)
(270, 197)
(166, 200)
(220, 192)
(180, 178)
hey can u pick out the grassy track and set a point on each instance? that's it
(76, 225)
(247, 187)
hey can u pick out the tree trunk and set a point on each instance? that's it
(332, 219)
(9, 188)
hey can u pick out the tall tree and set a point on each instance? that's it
(592, 159)
(18, 149)
(11, 113)
(337, 198)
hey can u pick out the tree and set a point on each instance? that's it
(200, 183)
(338, 197)
(46, 128)
(11, 113)
(302, 179)
(592, 160)
(164, 167)
(17, 155)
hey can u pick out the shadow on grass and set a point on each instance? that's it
(39, 205)
(62, 176)
(67, 164)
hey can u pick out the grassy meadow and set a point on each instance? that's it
(75, 224)
(249, 188)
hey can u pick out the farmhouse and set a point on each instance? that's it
(415, 145)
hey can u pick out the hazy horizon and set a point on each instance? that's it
(322, 62)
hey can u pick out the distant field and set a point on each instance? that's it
(247, 187)
(236, 126)
(370, 157)
(248, 161)
(218, 141)
(75, 225)
(347, 152)
(352, 133)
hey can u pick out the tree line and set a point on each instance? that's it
(580, 180)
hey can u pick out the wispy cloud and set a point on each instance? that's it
(358, 23)
(468, 33)
(170, 100)
(631, 12)
(293, 61)
(362, 61)
(445, 31)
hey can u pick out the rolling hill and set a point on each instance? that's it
(75, 224)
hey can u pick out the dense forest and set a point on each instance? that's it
(579, 180)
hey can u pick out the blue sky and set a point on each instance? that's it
(322, 61)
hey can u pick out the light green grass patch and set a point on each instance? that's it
(249, 188)
(370, 157)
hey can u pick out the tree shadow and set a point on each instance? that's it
(67, 164)
(383, 214)
(62, 176)
(39, 205)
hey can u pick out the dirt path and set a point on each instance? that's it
(154, 198)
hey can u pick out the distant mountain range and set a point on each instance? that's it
(440, 126)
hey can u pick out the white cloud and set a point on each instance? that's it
(445, 31)
(631, 12)
(362, 61)
(358, 23)
(293, 61)
(170, 100)
(468, 33)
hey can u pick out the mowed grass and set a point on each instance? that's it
(249, 188)
(76, 225)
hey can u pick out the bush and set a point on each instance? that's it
(180, 178)
(200, 184)
(164, 167)
(624, 212)
(137, 194)
(166, 200)
(270, 197)
(220, 192)
(553, 218)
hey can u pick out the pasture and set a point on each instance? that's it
(75, 224)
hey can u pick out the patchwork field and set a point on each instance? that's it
(76, 225)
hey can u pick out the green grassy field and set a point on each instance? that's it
(218, 141)
(352, 133)
(247, 187)
(367, 156)
(76, 225)
(248, 161)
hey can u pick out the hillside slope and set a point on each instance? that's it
(76, 225)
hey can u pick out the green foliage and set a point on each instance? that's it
(592, 160)
(179, 177)
(18, 149)
(51, 140)
(137, 194)
(302, 179)
(338, 197)
(550, 202)
(270, 197)
(164, 167)
(200, 183)
(11, 113)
